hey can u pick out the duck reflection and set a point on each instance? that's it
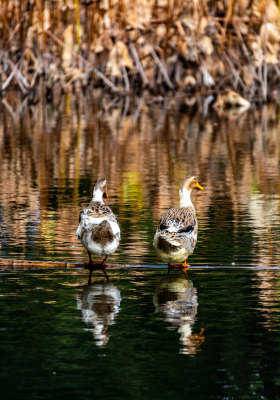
(99, 304)
(176, 298)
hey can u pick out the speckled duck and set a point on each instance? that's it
(176, 234)
(98, 229)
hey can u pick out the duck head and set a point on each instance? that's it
(99, 191)
(189, 183)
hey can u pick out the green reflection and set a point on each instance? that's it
(213, 336)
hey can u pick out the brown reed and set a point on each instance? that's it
(162, 46)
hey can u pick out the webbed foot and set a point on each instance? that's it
(184, 267)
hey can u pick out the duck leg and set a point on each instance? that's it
(89, 276)
(183, 267)
(104, 267)
(104, 261)
(95, 266)
(91, 262)
(90, 265)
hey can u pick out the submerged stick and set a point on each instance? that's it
(27, 264)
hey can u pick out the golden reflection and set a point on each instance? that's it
(176, 298)
(49, 154)
(99, 304)
(267, 282)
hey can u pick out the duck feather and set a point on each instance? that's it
(98, 229)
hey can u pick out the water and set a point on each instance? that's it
(51, 156)
(144, 335)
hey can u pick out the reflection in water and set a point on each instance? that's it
(99, 304)
(176, 298)
(50, 156)
(239, 359)
(267, 284)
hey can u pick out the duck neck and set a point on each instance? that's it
(98, 196)
(185, 198)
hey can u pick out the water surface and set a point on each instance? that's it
(52, 154)
(144, 335)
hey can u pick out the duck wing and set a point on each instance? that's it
(180, 220)
(97, 214)
(97, 210)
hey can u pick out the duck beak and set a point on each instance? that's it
(198, 186)
(105, 195)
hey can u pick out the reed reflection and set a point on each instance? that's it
(176, 298)
(99, 303)
(266, 284)
(50, 157)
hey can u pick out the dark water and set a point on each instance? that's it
(144, 335)
(51, 156)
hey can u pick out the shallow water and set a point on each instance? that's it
(144, 335)
(51, 156)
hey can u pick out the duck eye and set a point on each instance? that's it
(194, 182)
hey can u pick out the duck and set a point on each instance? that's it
(98, 229)
(176, 234)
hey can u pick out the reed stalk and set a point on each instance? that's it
(78, 25)
(174, 42)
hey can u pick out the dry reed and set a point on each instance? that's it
(162, 46)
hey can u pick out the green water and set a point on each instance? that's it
(144, 335)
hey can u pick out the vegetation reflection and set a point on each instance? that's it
(51, 155)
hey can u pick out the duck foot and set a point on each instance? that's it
(184, 267)
(95, 266)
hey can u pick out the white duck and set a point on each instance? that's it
(98, 229)
(176, 235)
